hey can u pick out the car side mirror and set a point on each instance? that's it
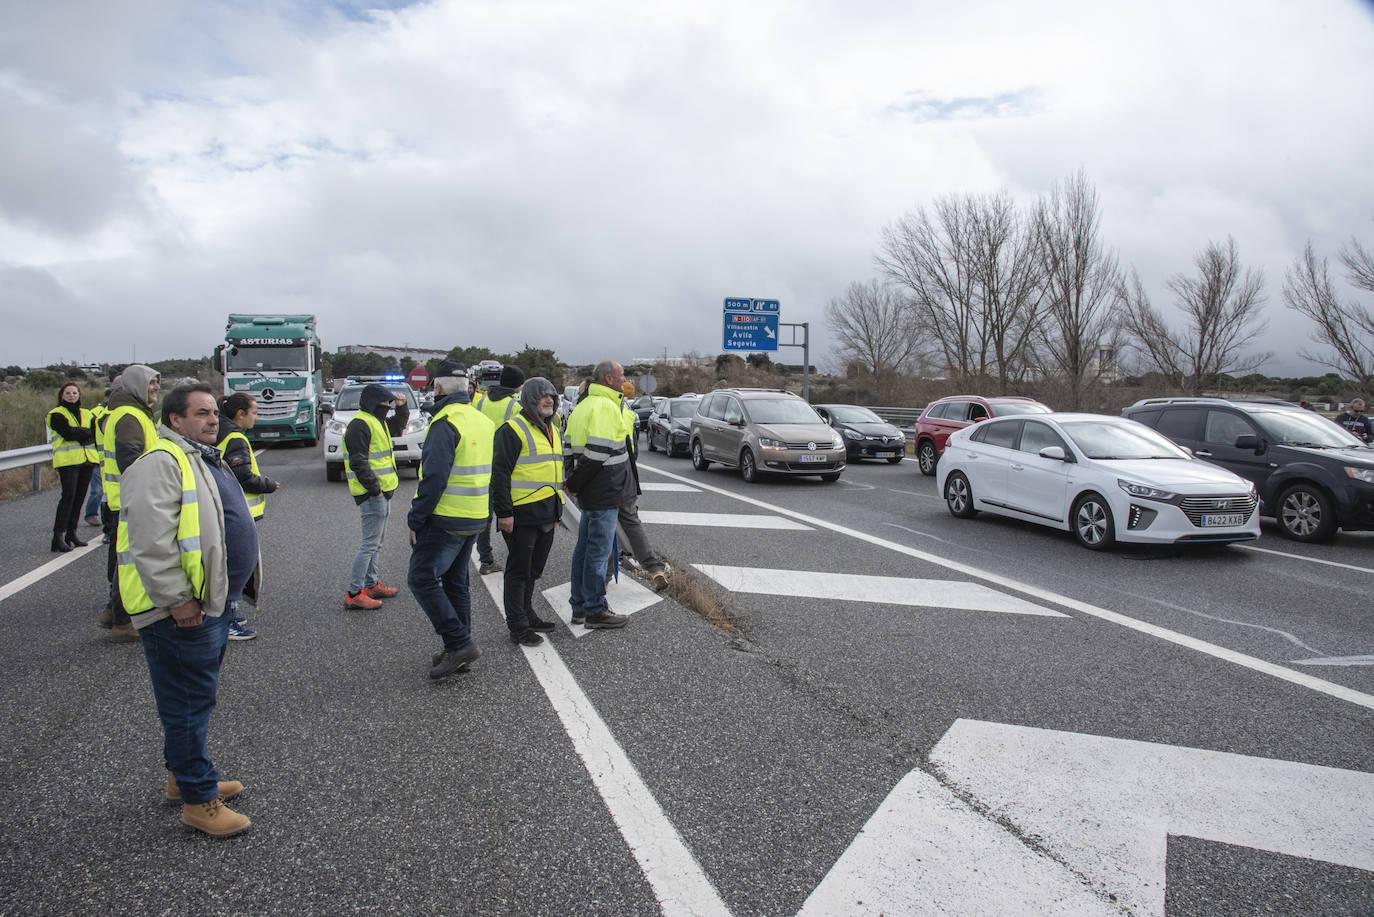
(326, 408)
(1053, 452)
(1247, 441)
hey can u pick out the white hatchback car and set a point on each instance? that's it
(1105, 479)
(406, 447)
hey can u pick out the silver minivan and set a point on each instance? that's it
(763, 431)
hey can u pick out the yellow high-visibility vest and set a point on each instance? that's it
(538, 472)
(379, 458)
(257, 503)
(131, 592)
(467, 494)
(67, 451)
(109, 469)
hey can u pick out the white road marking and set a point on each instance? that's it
(922, 534)
(1256, 664)
(720, 520)
(677, 879)
(1106, 807)
(57, 563)
(925, 852)
(625, 596)
(887, 590)
(1337, 660)
(912, 493)
(668, 486)
(1310, 560)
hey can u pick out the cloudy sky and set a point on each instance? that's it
(595, 177)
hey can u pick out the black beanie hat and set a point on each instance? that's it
(512, 376)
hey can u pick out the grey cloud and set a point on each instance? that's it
(57, 178)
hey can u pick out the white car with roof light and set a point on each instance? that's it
(1105, 479)
(406, 447)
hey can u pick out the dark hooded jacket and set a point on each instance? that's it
(131, 388)
(436, 458)
(239, 458)
(377, 400)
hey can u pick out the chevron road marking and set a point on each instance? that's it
(887, 590)
(721, 520)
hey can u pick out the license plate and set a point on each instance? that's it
(1224, 519)
(884, 454)
(813, 458)
(267, 435)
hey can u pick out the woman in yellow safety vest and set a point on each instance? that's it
(74, 457)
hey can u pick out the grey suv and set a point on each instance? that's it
(1312, 476)
(764, 430)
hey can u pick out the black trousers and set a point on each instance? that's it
(526, 550)
(76, 480)
(109, 523)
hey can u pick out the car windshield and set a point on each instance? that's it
(682, 408)
(1107, 440)
(348, 398)
(781, 410)
(845, 413)
(1008, 408)
(1304, 428)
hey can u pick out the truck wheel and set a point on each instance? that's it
(310, 443)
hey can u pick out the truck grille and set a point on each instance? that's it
(277, 410)
(1197, 507)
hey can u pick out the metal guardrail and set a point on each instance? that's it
(35, 456)
(903, 418)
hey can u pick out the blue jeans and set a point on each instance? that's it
(438, 579)
(595, 530)
(183, 663)
(365, 573)
(96, 494)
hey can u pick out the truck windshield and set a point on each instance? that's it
(265, 359)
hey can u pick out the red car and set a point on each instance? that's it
(954, 412)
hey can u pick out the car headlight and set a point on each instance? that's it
(766, 443)
(1360, 474)
(839, 443)
(1143, 490)
(415, 424)
(334, 428)
(852, 434)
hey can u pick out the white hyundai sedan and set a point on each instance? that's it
(1105, 479)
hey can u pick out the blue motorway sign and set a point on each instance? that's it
(751, 324)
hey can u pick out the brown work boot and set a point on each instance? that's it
(214, 818)
(228, 789)
(122, 633)
(106, 619)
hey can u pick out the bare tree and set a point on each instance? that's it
(969, 267)
(1344, 326)
(1007, 277)
(873, 325)
(1221, 306)
(1081, 286)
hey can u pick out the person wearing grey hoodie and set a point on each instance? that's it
(124, 438)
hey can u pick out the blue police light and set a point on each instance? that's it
(393, 377)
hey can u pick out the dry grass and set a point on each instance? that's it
(693, 591)
(24, 412)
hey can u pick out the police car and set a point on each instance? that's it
(406, 446)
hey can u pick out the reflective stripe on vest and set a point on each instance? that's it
(66, 451)
(538, 472)
(467, 492)
(257, 503)
(131, 591)
(109, 469)
(379, 458)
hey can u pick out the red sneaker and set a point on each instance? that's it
(361, 600)
(381, 591)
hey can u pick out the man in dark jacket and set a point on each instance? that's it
(1356, 422)
(129, 431)
(527, 501)
(450, 507)
(370, 468)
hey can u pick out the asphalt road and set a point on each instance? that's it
(920, 714)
